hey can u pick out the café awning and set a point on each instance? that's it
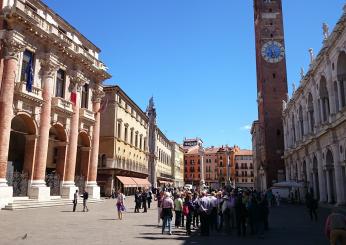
(141, 182)
(127, 181)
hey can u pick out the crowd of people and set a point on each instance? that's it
(243, 212)
(231, 211)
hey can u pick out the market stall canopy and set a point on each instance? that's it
(141, 182)
(127, 181)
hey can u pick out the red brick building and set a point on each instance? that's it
(271, 86)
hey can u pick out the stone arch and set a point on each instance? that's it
(82, 159)
(330, 176)
(341, 75)
(315, 178)
(21, 152)
(56, 150)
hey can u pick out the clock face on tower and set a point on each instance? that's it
(273, 51)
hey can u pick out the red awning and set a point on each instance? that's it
(127, 181)
(141, 182)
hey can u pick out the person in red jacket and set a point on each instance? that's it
(335, 228)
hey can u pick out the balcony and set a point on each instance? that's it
(35, 94)
(86, 114)
(42, 26)
(62, 105)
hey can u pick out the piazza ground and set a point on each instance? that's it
(58, 225)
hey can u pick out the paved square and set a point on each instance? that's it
(58, 225)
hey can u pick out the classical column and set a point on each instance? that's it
(91, 185)
(340, 188)
(37, 187)
(68, 187)
(13, 45)
(329, 185)
(202, 181)
(321, 180)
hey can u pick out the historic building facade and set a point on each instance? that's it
(260, 182)
(271, 87)
(50, 95)
(219, 166)
(123, 158)
(314, 121)
(244, 168)
(193, 161)
(178, 164)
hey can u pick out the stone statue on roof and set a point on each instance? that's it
(293, 87)
(311, 52)
(325, 29)
(284, 105)
(302, 73)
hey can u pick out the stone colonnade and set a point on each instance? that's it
(38, 143)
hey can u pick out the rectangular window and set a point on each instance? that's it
(125, 136)
(27, 55)
(119, 130)
(60, 83)
(131, 137)
(136, 140)
(85, 96)
(140, 142)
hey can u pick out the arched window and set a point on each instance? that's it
(311, 112)
(301, 122)
(341, 73)
(293, 130)
(324, 99)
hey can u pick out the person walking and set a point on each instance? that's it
(195, 212)
(241, 214)
(167, 213)
(335, 227)
(311, 204)
(75, 199)
(159, 198)
(138, 200)
(178, 208)
(85, 199)
(144, 201)
(204, 211)
(120, 204)
(187, 211)
(149, 197)
(213, 212)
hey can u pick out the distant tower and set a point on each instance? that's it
(271, 86)
(152, 127)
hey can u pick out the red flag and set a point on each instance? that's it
(74, 95)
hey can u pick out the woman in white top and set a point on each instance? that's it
(120, 204)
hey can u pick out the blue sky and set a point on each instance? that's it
(196, 57)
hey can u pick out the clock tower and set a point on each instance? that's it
(271, 88)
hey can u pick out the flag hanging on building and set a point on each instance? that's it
(104, 104)
(74, 94)
(29, 72)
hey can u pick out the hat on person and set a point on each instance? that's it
(225, 197)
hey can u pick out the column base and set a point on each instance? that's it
(6, 194)
(68, 189)
(93, 189)
(38, 190)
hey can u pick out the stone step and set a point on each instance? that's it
(32, 203)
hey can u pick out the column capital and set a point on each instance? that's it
(77, 78)
(97, 96)
(13, 44)
(49, 64)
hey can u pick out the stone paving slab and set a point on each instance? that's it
(58, 225)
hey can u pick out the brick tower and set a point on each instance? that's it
(271, 87)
